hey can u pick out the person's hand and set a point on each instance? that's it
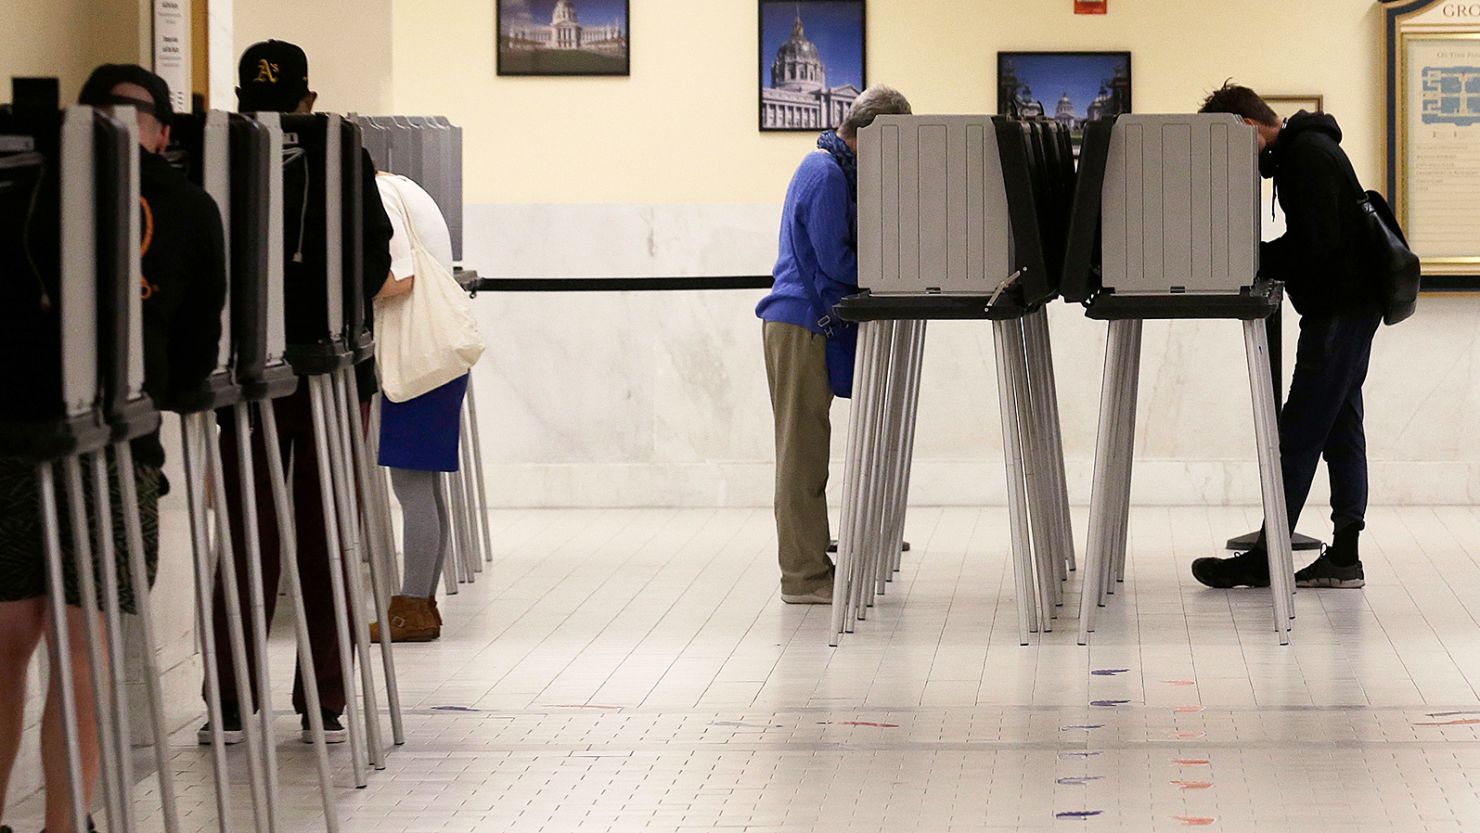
(394, 288)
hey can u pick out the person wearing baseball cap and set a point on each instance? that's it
(273, 77)
(184, 289)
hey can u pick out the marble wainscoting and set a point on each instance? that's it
(659, 398)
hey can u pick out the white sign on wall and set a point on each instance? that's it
(172, 49)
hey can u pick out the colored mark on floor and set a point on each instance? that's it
(1193, 785)
(1082, 727)
(1109, 672)
(1189, 709)
(864, 723)
(1468, 721)
(1195, 821)
(1077, 814)
(454, 709)
(584, 706)
(1078, 780)
(1449, 714)
(1108, 704)
(1191, 735)
(1183, 683)
(1191, 761)
(1088, 754)
(739, 725)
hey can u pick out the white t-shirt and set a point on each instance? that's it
(425, 217)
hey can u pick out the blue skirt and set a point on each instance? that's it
(422, 433)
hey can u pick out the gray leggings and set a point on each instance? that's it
(426, 522)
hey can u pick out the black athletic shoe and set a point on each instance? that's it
(1323, 572)
(1248, 569)
(334, 731)
(231, 730)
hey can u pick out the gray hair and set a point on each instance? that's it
(873, 102)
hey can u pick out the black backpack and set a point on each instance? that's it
(1393, 267)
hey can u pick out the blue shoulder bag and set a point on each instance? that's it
(842, 344)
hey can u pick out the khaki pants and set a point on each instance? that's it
(796, 368)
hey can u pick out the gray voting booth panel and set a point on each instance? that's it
(129, 122)
(426, 150)
(216, 180)
(932, 207)
(1180, 205)
(277, 335)
(79, 285)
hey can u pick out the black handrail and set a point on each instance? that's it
(476, 284)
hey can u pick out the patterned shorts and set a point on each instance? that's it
(23, 553)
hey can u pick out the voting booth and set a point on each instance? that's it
(958, 218)
(69, 231)
(1165, 225)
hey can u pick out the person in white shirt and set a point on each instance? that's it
(418, 437)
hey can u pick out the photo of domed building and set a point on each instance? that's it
(562, 37)
(1072, 88)
(812, 63)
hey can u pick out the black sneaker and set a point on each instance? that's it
(1248, 569)
(231, 730)
(334, 731)
(1323, 572)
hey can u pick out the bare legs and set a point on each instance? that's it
(22, 624)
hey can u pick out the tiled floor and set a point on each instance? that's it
(636, 671)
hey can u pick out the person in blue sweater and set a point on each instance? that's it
(817, 267)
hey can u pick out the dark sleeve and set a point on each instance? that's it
(377, 232)
(1312, 200)
(195, 329)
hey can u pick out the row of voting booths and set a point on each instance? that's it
(991, 219)
(71, 321)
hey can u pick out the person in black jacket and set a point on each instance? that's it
(273, 77)
(1340, 310)
(184, 288)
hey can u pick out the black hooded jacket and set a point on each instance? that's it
(1318, 256)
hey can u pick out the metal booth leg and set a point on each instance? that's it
(321, 401)
(338, 402)
(259, 623)
(120, 749)
(133, 528)
(1041, 335)
(907, 445)
(843, 569)
(225, 569)
(874, 403)
(470, 491)
(92, 637)
(191, 439)
(1133, 382)
(288, 553)
(1032, 415)
(1277, 524)
(887, 463)
(60, 650)
(375, 523)
(480, 477)
(1104, 494)
(460, 515)
(1017, 501)
(380, 477)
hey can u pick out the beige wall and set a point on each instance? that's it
(683, 127)
(348, 44)
(66, 39)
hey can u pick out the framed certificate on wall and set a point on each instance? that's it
(1433, 134)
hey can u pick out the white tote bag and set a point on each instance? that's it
(427, 337)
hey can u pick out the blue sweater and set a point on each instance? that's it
(818, 245)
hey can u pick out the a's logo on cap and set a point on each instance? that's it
(266, 72)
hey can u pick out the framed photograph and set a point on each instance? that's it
(1286, 106)
(563, 37)
(812, 62)
(1433, 135)
(1070, 87)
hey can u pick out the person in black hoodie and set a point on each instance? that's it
(273, 77)
(183, 257)
(1318, 260)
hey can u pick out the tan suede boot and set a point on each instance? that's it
(412, 620)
